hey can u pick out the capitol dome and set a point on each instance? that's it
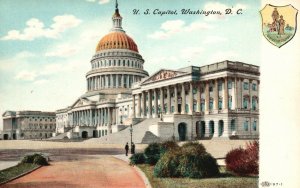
(116, 40)
(117, 64)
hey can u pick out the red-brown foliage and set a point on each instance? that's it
(243, 161)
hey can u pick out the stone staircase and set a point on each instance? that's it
(58, 137)
(139, 134)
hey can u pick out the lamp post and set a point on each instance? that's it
(131, 130)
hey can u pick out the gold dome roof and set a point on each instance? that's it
(116, 40)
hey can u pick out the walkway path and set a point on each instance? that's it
(98, 171)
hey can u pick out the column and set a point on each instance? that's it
(87, 84)
(117, 81)
(191, 96)
(108, 116)
(183, 99)
(168, 100)
(122, 80)
(127, 81)
(133, 106)
(101, 117)
(144, 104)
(216, 96)
(250, 96)
(199, 97)
(111, 81)
(225, 95)
(139, 106)
(113, 112)
(105, 116)
(149, 104)
(155, 103)
(207, 97)
(162, 98)
(175, 99)
(91, 117)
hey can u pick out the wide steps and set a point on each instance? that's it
(123, 136)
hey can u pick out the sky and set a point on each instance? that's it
(46, 46)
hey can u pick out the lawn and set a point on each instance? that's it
(15, 171)
(226, 180)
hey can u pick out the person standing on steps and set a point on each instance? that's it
(132, 148)
(126, 148)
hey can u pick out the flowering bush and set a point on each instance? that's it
(243, 161)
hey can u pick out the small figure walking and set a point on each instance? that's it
(132, 148)
(126, 148)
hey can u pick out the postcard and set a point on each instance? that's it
(115, 93)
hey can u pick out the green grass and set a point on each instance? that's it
(15, 171)
(226, 180)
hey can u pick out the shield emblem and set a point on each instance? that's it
(279, 23)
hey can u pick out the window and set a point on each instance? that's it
(165, 108)
(230, 84)
(172, 109)
(220, 104)
(245, 103)
(254, 101)
(210, 88)
(211, 104)
(254, 87)
(254, 127)
(232, 125)
(220, 86)
(186, 108)
(194, 90)
(246, 126)
(246, 85)
(195, 106)
(202, 106)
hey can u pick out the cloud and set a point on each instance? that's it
(214, 39)
(221, 7)
(26, 75)
(63, 50)
(190, 53)
(224, 55)
(99, 1)
(172, 27)
(36, 29)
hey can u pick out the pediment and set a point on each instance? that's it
(81, 102)
(8, 113)
(163, 75)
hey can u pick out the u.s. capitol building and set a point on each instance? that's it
(212, 101)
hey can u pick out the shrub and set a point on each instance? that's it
(137, 158)
(193, 148)
(168, 145)
(35, 159)
(40, 160)
(197, 166)
(191, 160)
(243, 161)
(167, 165)
(152, 153)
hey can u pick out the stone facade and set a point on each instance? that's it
(28, 125)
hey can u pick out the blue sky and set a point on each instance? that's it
(46, 46)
